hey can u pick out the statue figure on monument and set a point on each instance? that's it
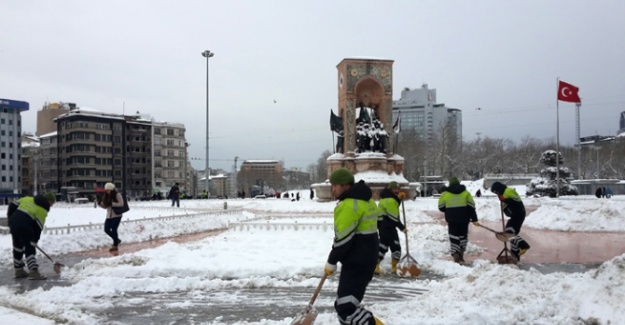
(379, 136)
(339, 141)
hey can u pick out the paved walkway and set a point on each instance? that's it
(548, 246)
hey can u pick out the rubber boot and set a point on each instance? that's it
(378, 270)
(394, 265)
(35, 275)
(20, 273)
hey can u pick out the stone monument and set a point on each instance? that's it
(364, 127)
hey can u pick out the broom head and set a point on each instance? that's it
(306, 318)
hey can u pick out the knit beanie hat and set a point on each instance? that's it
(341, 176)
(392, 185)
(453, 181)
(109, 186)
(50, 197)
(497, 188)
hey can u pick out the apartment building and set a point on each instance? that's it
(171, 162)
(10, 146)
(420, 112)
(139, 155)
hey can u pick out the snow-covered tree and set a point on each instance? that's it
(547, 183)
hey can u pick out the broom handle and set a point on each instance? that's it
(41, 250)
(489, 229)
(405, 233)
(503, 227)
(314, 297)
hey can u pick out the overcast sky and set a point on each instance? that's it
(503, 57)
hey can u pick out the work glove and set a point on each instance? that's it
(329, 269)
(401, 195)
(476, 223)
(405, 230)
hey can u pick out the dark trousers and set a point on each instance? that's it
(517, 242)
(458, 236)
(389, 239)
(110, 228)
(175, 200)
(22, 235)
(352, 286)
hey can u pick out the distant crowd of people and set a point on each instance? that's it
(603, 192)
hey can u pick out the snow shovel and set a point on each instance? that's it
(408, 266)
(57, 265)
(308, 316)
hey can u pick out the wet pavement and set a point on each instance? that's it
(229, 304)
(551, 251)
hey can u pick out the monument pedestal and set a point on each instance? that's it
(375, 168)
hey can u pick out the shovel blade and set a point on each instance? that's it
(409, 270)
(58, 267)
(306, 318)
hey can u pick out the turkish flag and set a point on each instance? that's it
(568, 93)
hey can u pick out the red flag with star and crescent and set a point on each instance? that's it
(568, 93)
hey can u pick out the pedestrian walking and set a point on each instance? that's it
(355, 246)
(388, 223)
(513, 207)
(459, 208)
(112, 199)
(26, 218)
(174, 195)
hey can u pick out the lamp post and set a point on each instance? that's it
(207, 54)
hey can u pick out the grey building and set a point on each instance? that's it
(420, 112)
(10, 146)
(139, 155)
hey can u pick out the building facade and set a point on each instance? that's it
(47, 114)
(139, 155)
(10, 146)
(420, 112)
(170, 157)
(260, 176)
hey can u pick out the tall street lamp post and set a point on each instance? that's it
(207, 54)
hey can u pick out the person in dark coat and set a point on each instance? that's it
(478, 193)
(459, 208)
(513, 207)
(312, 194)
(355, 246)
(174, 195)
(26, 219)
(388, 223)
(599, 192)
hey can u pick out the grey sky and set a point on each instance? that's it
(501, 56)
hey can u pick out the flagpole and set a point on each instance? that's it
(579, 143)
(557, 140)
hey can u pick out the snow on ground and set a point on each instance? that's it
(280, 243)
